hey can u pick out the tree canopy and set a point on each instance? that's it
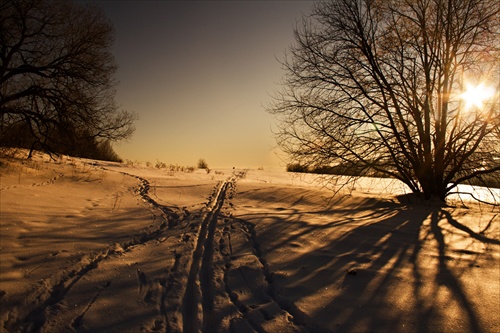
(386, 86)
(57, 76)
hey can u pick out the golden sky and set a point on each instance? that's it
(199, 74)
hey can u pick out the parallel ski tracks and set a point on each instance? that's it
(218, 281)
(228, 246)
(199, 279)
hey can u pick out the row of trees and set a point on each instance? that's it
(379, 85)
(340, 169)
(77, 143)
(57, 84)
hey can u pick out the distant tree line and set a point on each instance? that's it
(57, 85)
(350, 170)
(77, 143)
(341, 169)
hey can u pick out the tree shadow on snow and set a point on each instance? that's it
(380, 266)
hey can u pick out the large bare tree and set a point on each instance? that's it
(57, 73)
(381, 85)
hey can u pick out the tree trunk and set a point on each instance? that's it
(433, 187)
(32, 149)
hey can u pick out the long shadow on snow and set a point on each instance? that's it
(374, 271)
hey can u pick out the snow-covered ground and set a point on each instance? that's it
(92, 246)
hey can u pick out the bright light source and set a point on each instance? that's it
(476, 95)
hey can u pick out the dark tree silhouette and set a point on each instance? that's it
(57, 74)
(378, 85)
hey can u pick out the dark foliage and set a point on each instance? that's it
(77, 143)
(56, 78)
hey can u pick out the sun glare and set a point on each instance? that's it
(476, 95)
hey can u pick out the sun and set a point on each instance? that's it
(474, 96)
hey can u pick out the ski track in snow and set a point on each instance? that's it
(218, 279)
(32, 317)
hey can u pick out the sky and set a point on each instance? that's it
(199, 75)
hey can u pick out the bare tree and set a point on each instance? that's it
(57, 73)
(379, 85)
